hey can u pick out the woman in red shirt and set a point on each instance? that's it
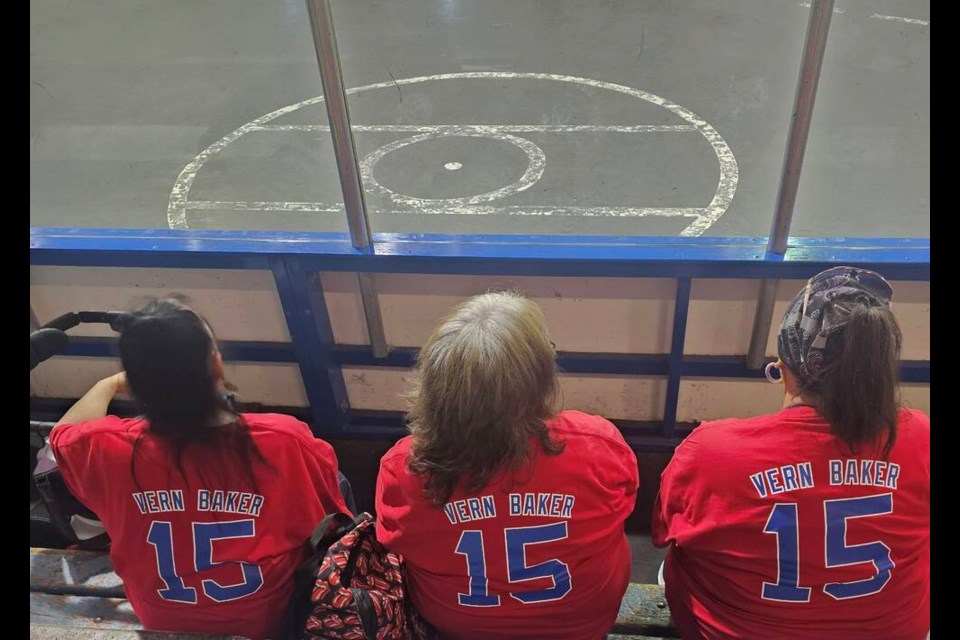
(508, 514)
(813, 522)
(208, 510)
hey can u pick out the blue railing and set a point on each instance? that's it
(296, 258)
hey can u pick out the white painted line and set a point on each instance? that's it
(485, 210)
(703, 218)
(453, 166)
(536, 161)
(901, 19)
(299, 207)
(504, 128)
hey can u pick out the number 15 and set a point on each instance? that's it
(783, 523)
(517, 539)
(204, 535)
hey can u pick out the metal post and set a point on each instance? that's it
(371, 312)
(331, 77)
(762, 320)
(328, 59)
(816, 42)
(813, 49)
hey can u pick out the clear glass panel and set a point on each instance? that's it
(614, 117)
(149, 114)
(867, 166)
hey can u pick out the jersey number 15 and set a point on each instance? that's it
(204, 535)
(783, 523)
(517, 539)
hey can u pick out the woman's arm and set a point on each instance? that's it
(95, 402)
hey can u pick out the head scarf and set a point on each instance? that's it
(820, 309)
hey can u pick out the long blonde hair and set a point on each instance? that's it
(486, 383)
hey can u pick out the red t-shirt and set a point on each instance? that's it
(778, 532)
(541, 554)
(209, 553)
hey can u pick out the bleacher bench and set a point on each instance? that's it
(75, 595)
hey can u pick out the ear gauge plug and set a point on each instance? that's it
(768, 371)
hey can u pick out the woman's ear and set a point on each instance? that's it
(790, 383)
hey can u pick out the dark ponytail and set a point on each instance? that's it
(167, 351)
(856, 389)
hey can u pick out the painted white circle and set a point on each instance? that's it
(702, 217)
(453, 166)
(536, 161)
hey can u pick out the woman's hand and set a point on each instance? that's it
(117, 382)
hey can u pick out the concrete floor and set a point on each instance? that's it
(126, 93)
(645, 559)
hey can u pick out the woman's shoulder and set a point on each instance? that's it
(398, 453)
(275, 423)
(913, 425)
(587, 431)
(915, 418)
(65, 435)
(279, 427)
(732, 432)
(571, 421)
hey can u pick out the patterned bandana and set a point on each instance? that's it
(821, 308)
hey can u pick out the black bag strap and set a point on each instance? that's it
(331, 528)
